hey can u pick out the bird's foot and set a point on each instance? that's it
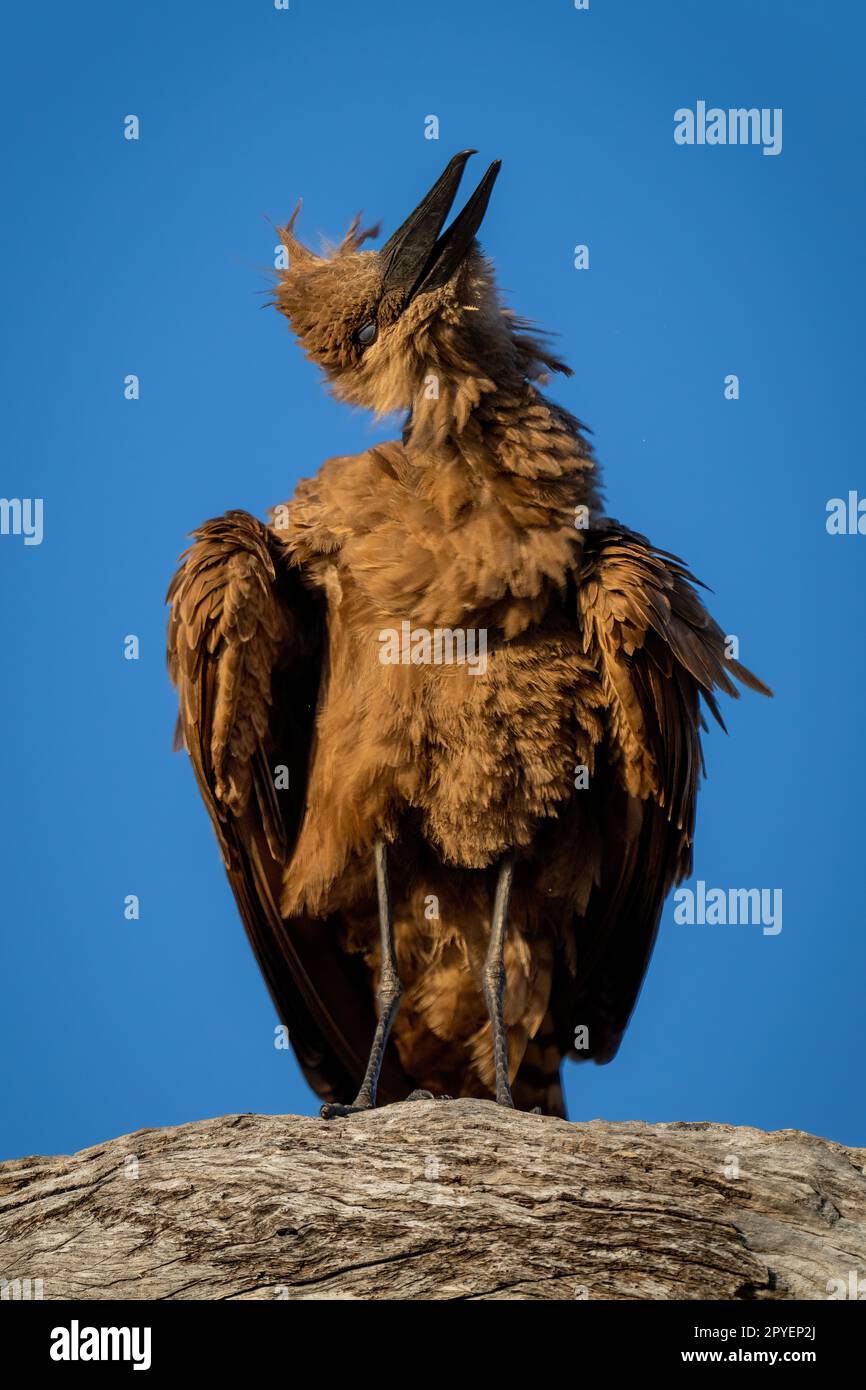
(426, 1095)
(338, 1112)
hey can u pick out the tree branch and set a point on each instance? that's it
(438, 1199)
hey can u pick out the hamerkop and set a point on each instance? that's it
(444, 713)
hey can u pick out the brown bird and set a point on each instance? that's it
(444, 713)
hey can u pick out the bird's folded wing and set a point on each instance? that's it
(658, 654)
(244, 650)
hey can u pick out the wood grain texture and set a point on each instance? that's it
(438, 1200)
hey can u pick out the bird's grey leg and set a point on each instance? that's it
(387, 995)
(494, 979)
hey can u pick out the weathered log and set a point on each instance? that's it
(438, 1199)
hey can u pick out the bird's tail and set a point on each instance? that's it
(538, 1082)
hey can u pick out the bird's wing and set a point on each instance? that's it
(245, 652)
(658, 654)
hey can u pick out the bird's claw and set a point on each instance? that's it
(337, 1112)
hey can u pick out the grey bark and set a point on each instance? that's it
(438, 1200)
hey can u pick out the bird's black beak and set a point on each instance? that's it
(417, 258)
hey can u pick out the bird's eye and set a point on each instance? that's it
(367, 335)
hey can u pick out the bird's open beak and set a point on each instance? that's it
(417, 258)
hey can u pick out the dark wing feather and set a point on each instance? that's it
(245, 652)
(658, 654)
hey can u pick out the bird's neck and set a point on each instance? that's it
(476, 520)
(509, 446)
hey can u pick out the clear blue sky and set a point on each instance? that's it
(147, 257)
